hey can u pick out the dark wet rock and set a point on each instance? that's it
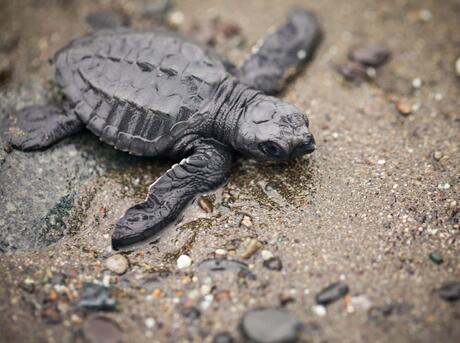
(270, 325)
(157, 9)
(352, 71)
(109, 19)
(273, 263)
(42, 198)
(373, 55)
(449, 291)
(379, 312)
(223, 337)
(436, 257)
(101, 330)
(332, 293)
(96, 297)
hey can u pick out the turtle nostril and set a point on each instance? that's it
(304, 148)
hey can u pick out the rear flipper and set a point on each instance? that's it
(39, 126)
(282, 53)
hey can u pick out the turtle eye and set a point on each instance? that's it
(271, 149)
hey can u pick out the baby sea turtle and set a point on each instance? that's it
(158, 94)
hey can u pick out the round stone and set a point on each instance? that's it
(117, 264)
(270, 325)
(184, 261)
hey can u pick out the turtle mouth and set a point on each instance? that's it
(304, 148)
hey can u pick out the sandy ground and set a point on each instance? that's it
(368, 207)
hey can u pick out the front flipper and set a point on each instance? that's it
(282, 53)
(206, 168)
(39, 126)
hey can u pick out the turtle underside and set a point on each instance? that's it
(131, 88)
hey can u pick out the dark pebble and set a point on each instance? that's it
(436, 257)
(389, 310)
(352, 71)
(449, 291)
(332, 293)
(107, 20)
(270, 325)
(223, 337)
(96, 298)
(191, 313)
(273, 263)
(373, 55)
(101, 330)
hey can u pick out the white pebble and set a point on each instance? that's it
(301, 54)
(381, 162)
(205, 289)
(416, 83)
(184, 261)
(221, 252)
(319, 310)
(150, 323)
(266, 255)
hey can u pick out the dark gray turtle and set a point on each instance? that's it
(157, 94)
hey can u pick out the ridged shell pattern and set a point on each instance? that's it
(130, 88)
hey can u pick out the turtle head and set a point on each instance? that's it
(272, 130)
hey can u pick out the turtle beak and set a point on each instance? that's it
(305, 147)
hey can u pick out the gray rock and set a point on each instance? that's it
(38, 190)
(270, 325)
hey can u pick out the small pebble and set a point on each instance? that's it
(449, 291)
(436, 257)
(101, 330)
(404, 107)
(373, 55)
(184, 261)
(150, 323)
(273, 263)
(425, 15)
(319, 310)
(332, 293)
(117, 263)
(437, 155)
(352, 71)
(246, 221)
(205, 204)
(270, 325)
(250, 248)
(416, 83)
(221, 252)
(266, 255)
(175, 19)
(361, 302)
